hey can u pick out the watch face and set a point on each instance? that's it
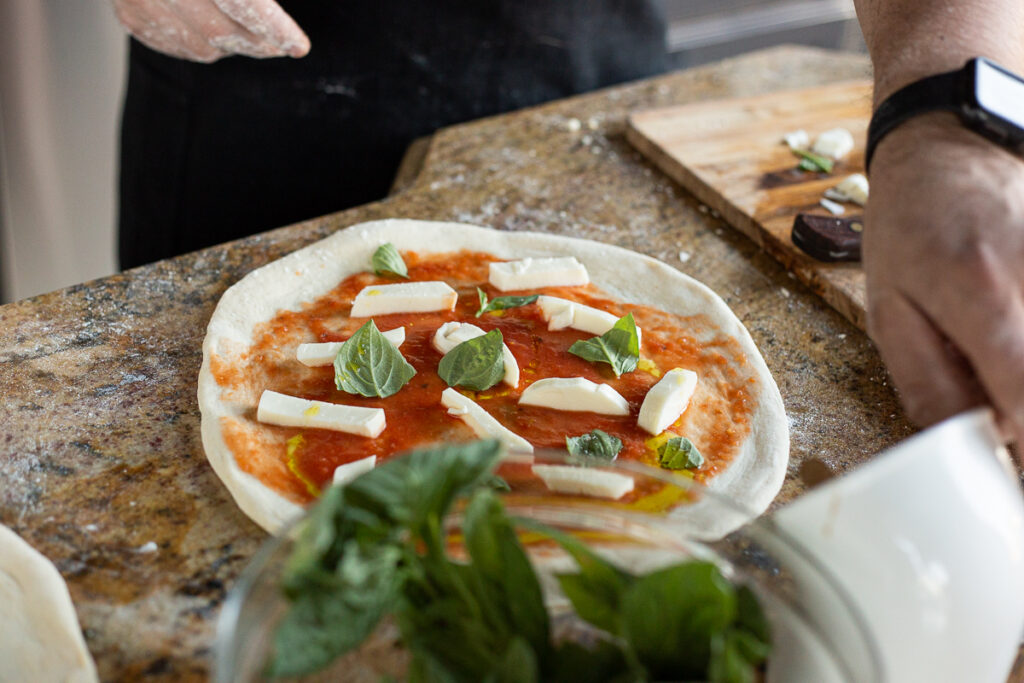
(999, 92)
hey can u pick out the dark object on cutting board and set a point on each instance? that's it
(828, 238)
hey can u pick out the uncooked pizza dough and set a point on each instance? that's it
(40, 640)
(753, 477)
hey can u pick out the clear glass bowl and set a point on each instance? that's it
(818, 633)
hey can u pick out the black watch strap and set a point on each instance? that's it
(942, 92)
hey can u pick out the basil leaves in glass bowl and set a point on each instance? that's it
(458, 564)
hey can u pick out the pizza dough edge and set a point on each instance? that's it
(753, 478)
(48, 608)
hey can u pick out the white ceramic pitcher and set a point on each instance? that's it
(928, 540)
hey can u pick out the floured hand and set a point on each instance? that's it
(944, 258)
(206, 30)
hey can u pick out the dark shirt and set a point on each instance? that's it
(212, 152)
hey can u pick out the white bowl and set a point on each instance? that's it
(928, 539)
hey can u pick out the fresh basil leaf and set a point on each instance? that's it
(501, 562)
(496, 483)
(730, 658)
(315, 631)
(619, 346)
(518, 665)
(807, 165)
(736, 654)
(601, 663)
(749, 646)
(387, 260)
(595, 602)
(693, 602)
(444, 626)
(329, 619)
(595, 447)
(596, 590)
(456, 603)
(502, 302)
(679, 453)
(318, 542)
(425, 669)
(420, 487)
(369, 365)
(750, 617)
(809, 161)
(476, 363)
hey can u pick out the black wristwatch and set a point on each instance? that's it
(988, 99)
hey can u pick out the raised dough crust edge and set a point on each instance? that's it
(753, 478)
(48, 646)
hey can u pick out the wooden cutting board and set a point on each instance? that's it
(729, 153)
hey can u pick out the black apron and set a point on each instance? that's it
(213, 152)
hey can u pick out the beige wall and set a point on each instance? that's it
(61, 74)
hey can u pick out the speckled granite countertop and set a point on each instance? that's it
(101, 463)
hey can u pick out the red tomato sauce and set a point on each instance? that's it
(717, 419)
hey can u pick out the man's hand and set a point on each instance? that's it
(206, 30)
(944, 258)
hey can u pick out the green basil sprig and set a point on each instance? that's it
(476, 363)
(378, 546)
(387, 260)
(809, 161)
(695, 604)
(619, 346)
(369, 365)
(502, 302)
(597, 446)
(357, 556)
(679, 453)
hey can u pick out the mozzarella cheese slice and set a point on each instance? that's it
(404, 297)
(797, 139)
(585, 480)
(853, 188)
(481, 422)
(343, 474)
(290, 411)
(832, 207)
(451, 334)
(562, 313)
(574, 393)
(323, 353)
(835, 143)
(667, 400)
(531, 273)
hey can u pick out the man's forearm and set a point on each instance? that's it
(943, 245)
(910, 39)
